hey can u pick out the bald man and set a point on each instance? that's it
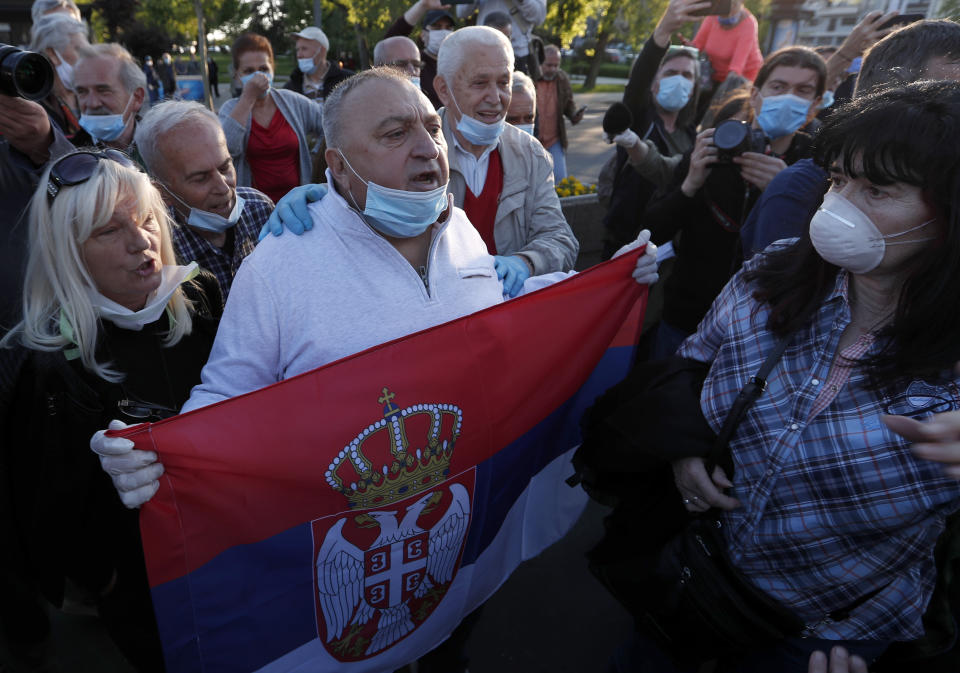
(402, 53)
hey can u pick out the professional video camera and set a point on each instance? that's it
(24, 74)
(733, 137)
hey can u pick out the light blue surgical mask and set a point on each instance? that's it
(415, 81)
(246, 78)
(399, 213)
(203, 219)
(527, 128)
(783, 115)
(306, 65)
(475, 131)
(826, 101)
(105, 128)
(674, 92)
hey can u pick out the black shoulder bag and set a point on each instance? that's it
(671, 571)
(697, 604)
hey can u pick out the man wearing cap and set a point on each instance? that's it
(436, 24)
(314, 76)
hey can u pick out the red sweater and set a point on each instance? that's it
(736, 48)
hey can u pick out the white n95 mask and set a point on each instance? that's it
(843, 235)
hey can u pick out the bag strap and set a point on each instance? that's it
(748, 395)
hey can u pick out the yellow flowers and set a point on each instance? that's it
(570, 186)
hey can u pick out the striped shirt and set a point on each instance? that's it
(834, 505)
(192, 247)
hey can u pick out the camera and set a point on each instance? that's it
(733, 137)
(24, 74)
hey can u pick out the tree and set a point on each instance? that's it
(116, 15)
(567, 19)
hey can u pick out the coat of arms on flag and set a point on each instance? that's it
(326, 524)
(384, 567)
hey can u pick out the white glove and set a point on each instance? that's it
(626, 140)
(645, 272)
(135, 474)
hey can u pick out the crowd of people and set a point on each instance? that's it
(158, 257)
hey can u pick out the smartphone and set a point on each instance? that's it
(718, 7)
(902, 20)
(583, 108)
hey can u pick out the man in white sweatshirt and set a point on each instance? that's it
(388, 255)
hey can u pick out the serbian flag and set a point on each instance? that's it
(347, 519)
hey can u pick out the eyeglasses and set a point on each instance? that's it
(934, 404)
(404, 62)
(144, 411)
(78, 167)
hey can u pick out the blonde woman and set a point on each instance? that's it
(112, 328)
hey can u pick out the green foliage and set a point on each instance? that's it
(950, 9)
(632, 22)
(621, 70)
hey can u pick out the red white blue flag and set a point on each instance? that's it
(348, 518)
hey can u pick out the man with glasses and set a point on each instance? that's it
(435, 24)
(399, 52)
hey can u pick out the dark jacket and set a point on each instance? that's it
(335, 75)
(429, 69)
(565, 105)
(60, 516)
(708, 251)
(631, 192)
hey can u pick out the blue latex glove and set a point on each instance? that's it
(512, 270)
(291, 212)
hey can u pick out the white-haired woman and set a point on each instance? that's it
(60, 38)
(111, 328)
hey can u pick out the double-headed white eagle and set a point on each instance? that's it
(340, 568)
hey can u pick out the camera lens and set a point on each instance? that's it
(24, 74)
(730, 134)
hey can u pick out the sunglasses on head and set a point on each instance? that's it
(78, 167)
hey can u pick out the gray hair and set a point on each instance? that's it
(41, 7)
(498, 20)
(162, 119)
(522, 82)
(378, 48)
(332, 128)
(54, 31)
(131, 76)
(552, 49)
(458, 45)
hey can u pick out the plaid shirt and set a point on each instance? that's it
(192, 247)
(834, 505)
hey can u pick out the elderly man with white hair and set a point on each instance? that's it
(501, 176)
(111, 90)
(217, 223)
(522, 112)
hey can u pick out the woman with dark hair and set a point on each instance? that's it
(111, 328)
(827, 511)
(266, 128)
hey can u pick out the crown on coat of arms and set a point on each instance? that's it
(406, 451)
